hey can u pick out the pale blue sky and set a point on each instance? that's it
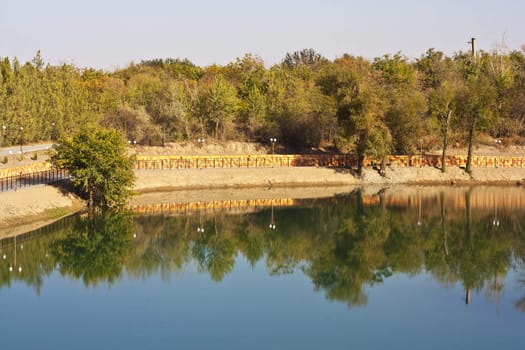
(112, 33)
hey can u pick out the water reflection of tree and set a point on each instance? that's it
(469, 249)
(215, 250)
(96, 248)
(343, 245)
(32, 255)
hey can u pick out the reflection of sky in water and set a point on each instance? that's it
(250, 309)
(164, 306)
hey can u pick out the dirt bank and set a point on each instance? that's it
(306, 176)
(30, 208)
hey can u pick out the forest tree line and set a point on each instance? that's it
(388, 105)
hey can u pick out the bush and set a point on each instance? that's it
(34, 157)
(99, 165)
(4, 160)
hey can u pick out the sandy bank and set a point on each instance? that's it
(241, 177)
(306, 176)
(30, 208)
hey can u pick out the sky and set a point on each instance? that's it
(110, 34)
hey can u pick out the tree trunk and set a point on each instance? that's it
(90, 202)
(445, 141)
(360, 161)
(471, 135)
(361, 148)
(382, 167)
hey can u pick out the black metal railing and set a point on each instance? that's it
(12, 183)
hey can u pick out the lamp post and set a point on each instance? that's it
(273, 140)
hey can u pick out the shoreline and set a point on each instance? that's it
(204, 179)
(29, 208)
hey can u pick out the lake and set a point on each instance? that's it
(400, 268)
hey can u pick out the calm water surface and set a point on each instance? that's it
(419, 267)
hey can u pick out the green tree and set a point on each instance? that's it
(98, 164)
(361, 106)
(476, 102)
(442, 108)
(305, 57)
(218, 106)
(405, 111)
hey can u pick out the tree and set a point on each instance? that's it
(361, 106)
(441, 109)
(98, 164)
(305, 57)
(219, 105)
(406, 107)
(441, 82)
(476, 102)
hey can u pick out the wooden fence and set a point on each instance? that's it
(336, 160)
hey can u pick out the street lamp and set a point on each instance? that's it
(201, 141)
(273, 140)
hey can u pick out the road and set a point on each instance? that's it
(25, 148)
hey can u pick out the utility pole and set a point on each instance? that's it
(472, 42)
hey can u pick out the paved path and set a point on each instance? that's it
(25, 148)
